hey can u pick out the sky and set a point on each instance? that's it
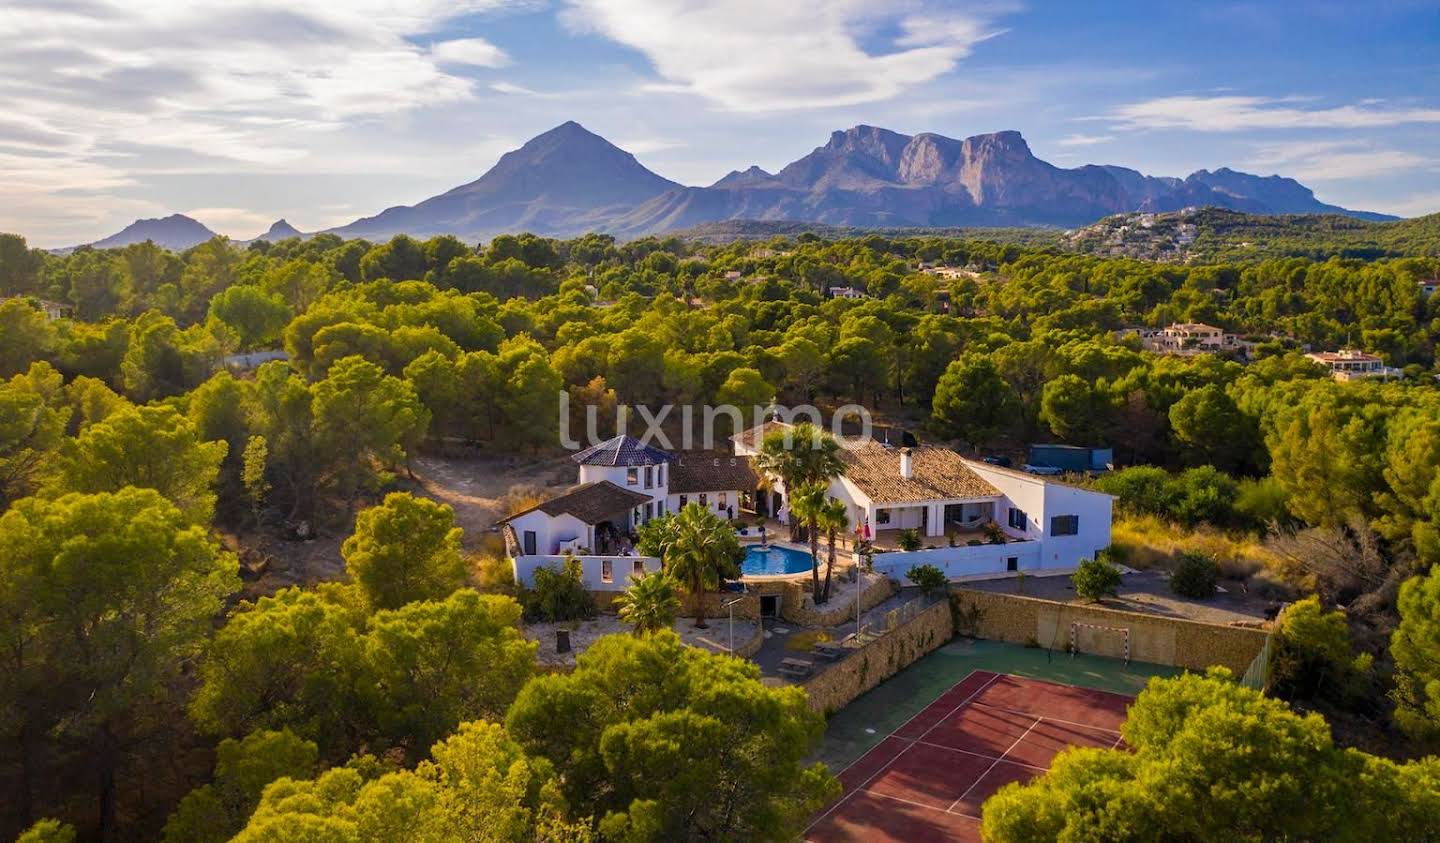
(322, 111)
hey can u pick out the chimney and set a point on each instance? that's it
(905, 463)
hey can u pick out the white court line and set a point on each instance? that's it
(983, 755)
(887, 764)
(992, 766)
(1045, 717)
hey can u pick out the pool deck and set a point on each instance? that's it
(858, 727)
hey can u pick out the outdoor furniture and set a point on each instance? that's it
(796, 667)
(830, 650)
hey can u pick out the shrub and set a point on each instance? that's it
(1312, 655)
(1141, 488)
(558, 595)
(910, 539)
(495, 575)
(1202, 495)
(928, 577)
(1260, 503)
(1096, 578)
(1194, 576)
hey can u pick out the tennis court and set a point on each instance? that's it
(927, 780)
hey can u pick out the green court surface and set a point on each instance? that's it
(865, 722)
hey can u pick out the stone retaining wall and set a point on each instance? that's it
(797, 604)
(747, 609)
(841, 683)
(1180, 642)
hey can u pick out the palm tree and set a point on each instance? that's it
(700, 549)
(650, 603)
(797, 456)
(834, 518)
(807, 502)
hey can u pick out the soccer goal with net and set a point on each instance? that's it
(1095, 639)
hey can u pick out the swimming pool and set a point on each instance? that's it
(774, 559)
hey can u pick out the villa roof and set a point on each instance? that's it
(711, 472)
(756, 435)
(622, 450)
(1344, 355)
(935, 474)
(591, 502)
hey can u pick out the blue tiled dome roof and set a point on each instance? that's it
(622, 450)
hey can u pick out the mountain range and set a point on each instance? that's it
(569, 181)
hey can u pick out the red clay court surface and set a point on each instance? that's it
(927, 780)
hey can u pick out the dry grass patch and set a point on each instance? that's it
(1147, 541)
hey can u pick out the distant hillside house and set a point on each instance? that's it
(1347, 364)
(1190, 338)
(847, 293)
(53, 309)
(1428, 287)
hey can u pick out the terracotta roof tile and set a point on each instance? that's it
(591, 503)
(936, 474)
(711, 472)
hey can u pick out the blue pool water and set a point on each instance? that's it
(774, 560)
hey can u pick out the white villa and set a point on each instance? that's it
(1040, 524)
(1046, 524)
(1347, 364)
(623, 483)
(1189, 338)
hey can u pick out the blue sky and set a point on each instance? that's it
(238, 113)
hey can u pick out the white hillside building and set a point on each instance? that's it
(1045, 524)
(623, 483)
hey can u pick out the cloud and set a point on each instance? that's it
(759, 55)
(472, 51)
(1084, 140)
(1415, 205)
(1241, 113)
(1321, 161)
(642, 146)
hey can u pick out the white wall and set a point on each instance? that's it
(1042, 500)
(712, 500)
(592, 568)
(550, 531)
(1094, 510)
(619, 475)
(961, 561)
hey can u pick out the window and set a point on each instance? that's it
(649, 511)
(1012, 563)
(722, 500)
(529, 541)
(660, 475)
(1065, 525)
(684, 499)
(607, 571)
(649, 477)
(703, 500)
(639, 567)
(632, 477)
(1017, 519)
(882, 516)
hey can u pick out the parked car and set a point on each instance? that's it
(1003, 462)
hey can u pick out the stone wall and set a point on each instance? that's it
(1159, 640)
(839, 684)
(747, 609)
(798, 603)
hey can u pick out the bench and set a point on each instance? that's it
(829, 650)
(796, 667)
